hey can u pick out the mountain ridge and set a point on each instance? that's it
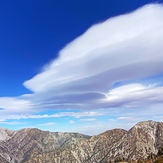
(29, 145)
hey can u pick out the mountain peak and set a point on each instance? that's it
(149, 122)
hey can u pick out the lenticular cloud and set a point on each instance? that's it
(128, 41)
(124, 48)
(127, 47)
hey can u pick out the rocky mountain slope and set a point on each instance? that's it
(142, 141)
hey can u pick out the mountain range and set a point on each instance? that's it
(31, 145)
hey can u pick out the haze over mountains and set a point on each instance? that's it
(32, 145)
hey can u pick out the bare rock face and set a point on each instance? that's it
(94, 149)
(5, 154)
(141, 141)
(33, 145)
(27, 143)
(6, 134)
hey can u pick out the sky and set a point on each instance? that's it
(80, 66)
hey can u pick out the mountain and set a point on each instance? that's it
(26, 143)
(144, 139)
(31, 145)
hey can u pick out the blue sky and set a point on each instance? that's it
(80, 66)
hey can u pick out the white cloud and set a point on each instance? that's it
(14, 104)
(47, 124)
(127, 47)
(11, 123)
(125, 118)
(87, 119)
(134, 95)
(128, 41)
(57, 115)
(123, 48)
(71, 122)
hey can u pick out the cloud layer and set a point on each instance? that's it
(124, 48)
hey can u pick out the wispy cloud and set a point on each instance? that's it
(87, 119)
(57, 115)
(15, 104)
(71, 121)
(134, 95)
(12, 123)
(47, 124)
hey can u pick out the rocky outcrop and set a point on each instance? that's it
(33, 145)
